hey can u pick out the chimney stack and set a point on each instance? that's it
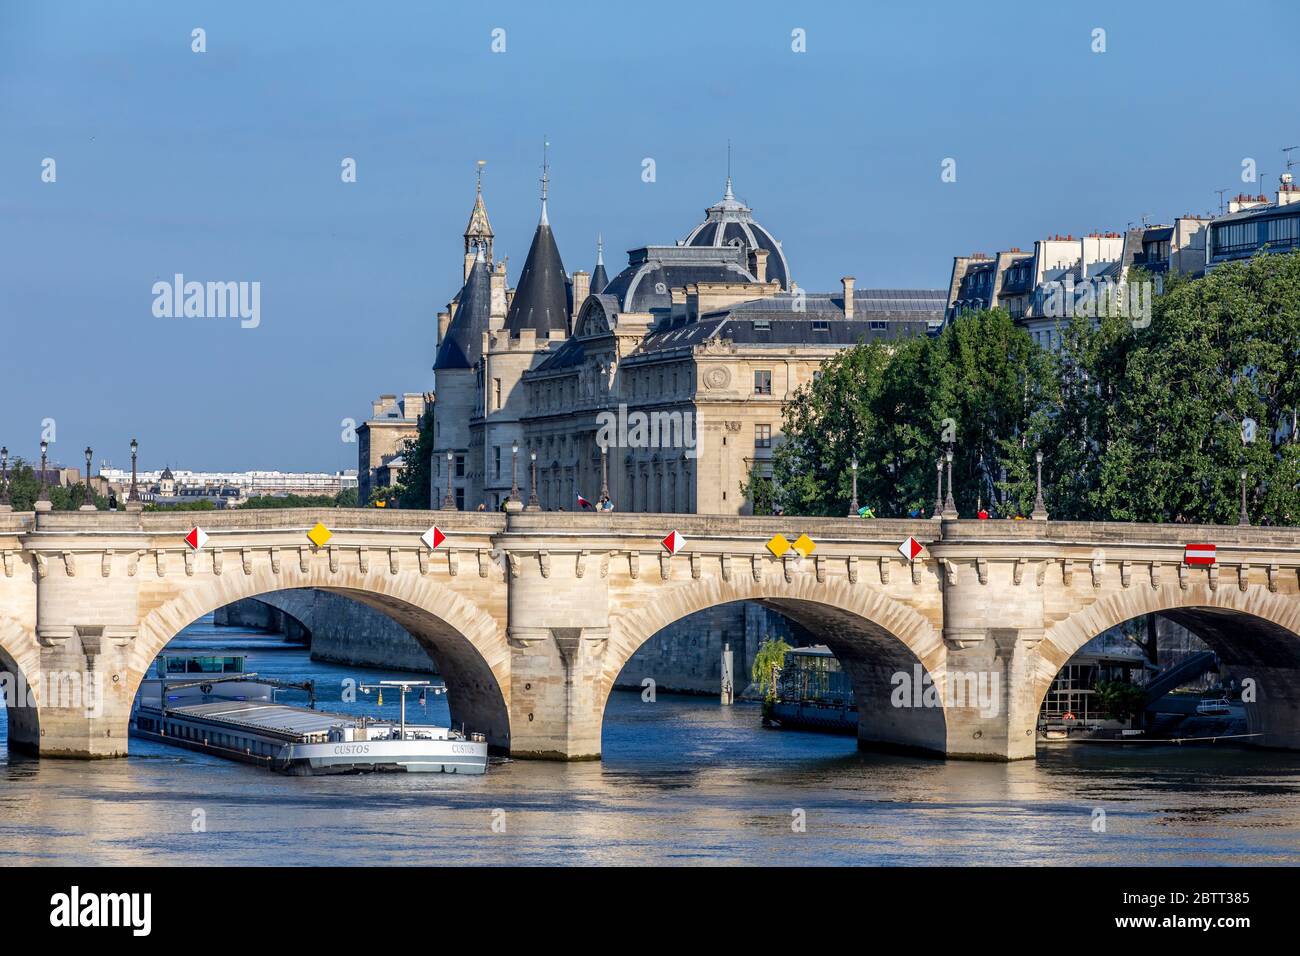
(759, 259)
(847, 282)
(469, 265)
(499, 304)
(581, 289)
(444, 320)
(1287, 191)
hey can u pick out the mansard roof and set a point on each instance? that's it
(654, 271)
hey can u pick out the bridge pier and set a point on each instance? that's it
(993, 614)
(558, 633)
(87, 623)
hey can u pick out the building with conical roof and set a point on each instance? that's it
(599, 278)
(692, 351)
(541, 300)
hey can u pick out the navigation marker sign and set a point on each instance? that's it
(778, 544)
(433, 537)
(910, 548)
(319, 535)
(1203, 554)
(197, 538)
(804, 545)
(673, 543)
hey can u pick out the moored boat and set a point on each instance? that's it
(210, 704)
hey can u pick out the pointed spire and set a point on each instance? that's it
(546, 170)
(729, 194)
(599, 278)
(479, 231)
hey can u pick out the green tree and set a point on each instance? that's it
(413, 483)
(1219, 354)
(767, 664)
(982, 383)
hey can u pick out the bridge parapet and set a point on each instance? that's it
(533, 614)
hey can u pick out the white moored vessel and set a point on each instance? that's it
(211, 705)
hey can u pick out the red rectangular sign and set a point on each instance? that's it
(1199, 554)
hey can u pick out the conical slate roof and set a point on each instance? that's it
(463, 344)
(599, 277)
(542, 295)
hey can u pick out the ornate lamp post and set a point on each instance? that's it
(1244, 519)
(449, 502)
(938, 489)
(513, 503)
(43, 498)
(89, 503)
(604, 474)
(133, 496)
(1040, 506)
(949, 505)
(853, 505)
(5, 504)
(533, 503)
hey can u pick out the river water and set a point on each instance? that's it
(683, 781)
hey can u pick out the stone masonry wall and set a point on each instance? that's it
(338, 629)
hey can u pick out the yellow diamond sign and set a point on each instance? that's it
(778, 545)
(804, 545)
(319, 535)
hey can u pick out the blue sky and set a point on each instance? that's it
(225, 166)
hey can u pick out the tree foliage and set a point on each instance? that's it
(1137, 422)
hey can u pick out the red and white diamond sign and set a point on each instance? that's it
(1199, 554)
(910, 548)
(196, 539)
(673, 543)
(433, 537)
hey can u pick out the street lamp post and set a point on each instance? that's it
(43, 498)
(449, 502)
(1244, 519)
(1040, 506)
(133, 496)
(604, 475)
(5, 503)
(533, 503)
(949, 504)
(89, 503)
(513, 503)
(938, 489)
(854, 506)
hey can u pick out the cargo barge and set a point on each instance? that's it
(211, 705)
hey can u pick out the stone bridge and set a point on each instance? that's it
(531, 616)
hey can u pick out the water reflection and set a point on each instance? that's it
(683, 781)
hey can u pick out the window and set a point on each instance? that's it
(762, 436)
(460, 499)
(460, 466)
(763, 381)
(879, 325)
(496, 393)
(821, 325)
(496, 461)
(762, 325)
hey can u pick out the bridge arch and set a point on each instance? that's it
(1255, 633)
(872, 635)
(20, 663)
(467, 643)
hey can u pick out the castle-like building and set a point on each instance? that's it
(663, 386)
